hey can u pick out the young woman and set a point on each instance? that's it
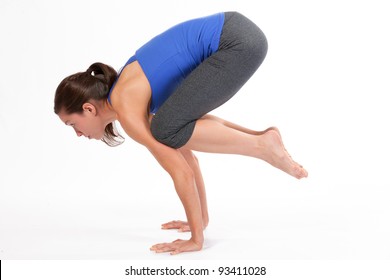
(162, 97)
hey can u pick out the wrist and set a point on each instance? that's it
(198, 242)
(198, 238)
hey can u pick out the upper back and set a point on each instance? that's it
(131, 90)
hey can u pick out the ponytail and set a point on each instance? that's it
(79, 88)
(106, 74)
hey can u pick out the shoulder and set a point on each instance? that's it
(132, 89)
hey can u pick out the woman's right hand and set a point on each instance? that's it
(178, 246)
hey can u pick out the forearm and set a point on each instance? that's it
(200, 186)
(203, 204)
(189, 196)
(184, 181)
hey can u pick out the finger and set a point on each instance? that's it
(184, 229)
(171, 225)
(158, 246)
(177, 251)
(166, 226)
(168, 223)
(163, 249)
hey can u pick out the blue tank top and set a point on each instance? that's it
(170, 57)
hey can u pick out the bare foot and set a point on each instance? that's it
(268, 129)
(274, 152)
(278, 132)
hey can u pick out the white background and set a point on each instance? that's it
(324, 84)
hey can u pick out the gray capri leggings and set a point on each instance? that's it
(241, 50)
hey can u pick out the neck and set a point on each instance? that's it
(108, 113)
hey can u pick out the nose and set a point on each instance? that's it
(78, 133)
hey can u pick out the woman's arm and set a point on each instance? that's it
(135, 123)
(130, 100)
(194, 164)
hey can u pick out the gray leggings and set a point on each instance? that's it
(241, 50)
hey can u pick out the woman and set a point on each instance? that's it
(161, 99)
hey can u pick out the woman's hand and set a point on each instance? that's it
(178, 246)
(179, 225)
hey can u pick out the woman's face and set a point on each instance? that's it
(88, 123)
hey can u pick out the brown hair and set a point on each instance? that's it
(79, 88)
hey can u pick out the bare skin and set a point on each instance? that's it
(267, 145)
(182, 226)
(130, 102)
(211, 135)
(227, 137)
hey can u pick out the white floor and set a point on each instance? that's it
(287, 219)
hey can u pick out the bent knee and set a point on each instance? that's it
(165, 134)
(174, 136)
(159, 132)
(257, 48)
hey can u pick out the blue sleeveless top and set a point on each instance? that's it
(170, 57)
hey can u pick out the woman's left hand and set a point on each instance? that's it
(179, 225)
(176, 247)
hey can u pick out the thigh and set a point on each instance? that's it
(217, 79)
(242, 49)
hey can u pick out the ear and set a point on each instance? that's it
(89, 108)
